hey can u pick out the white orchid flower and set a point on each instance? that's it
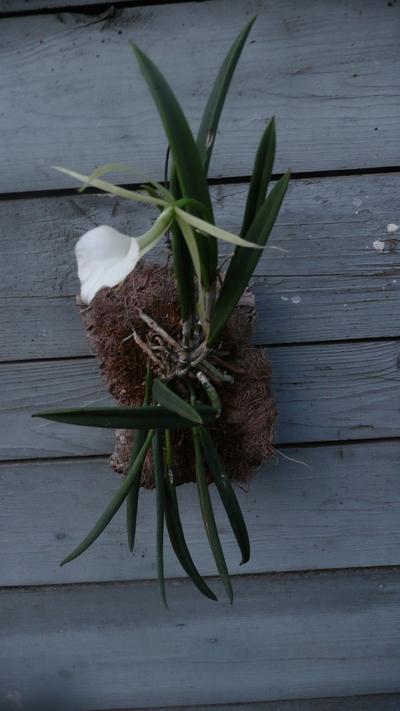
(105, 256)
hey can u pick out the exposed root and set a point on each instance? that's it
(142, 320)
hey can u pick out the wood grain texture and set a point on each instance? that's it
(17, 6)
(377, 702)
(327, 507)
(290, 310)
(347, 287)
(327, 71)
(324, 393)
(285, 637)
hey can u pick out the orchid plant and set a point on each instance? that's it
(106, 257)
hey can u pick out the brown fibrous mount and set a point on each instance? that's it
(117, 324)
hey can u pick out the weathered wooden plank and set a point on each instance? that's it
(377, 702)
(336, 391)
(50, 700)
(290, 310)
(347, 287)
(328, 73)
(324, 393)
(16, 6)
(285, 637)
(330, 507)
(322, 227)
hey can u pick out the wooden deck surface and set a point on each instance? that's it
(315, 625)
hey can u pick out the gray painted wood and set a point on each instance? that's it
(328, 72)
(322, 232)
(285, 637)
(16, 6)
(347, 287)
(327, 507)
(290, 310)
(324, 393)
(377, 702)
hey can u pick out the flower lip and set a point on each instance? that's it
(105, 258)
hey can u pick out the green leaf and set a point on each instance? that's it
(200, 224)
(208, 516)
(110, 188)
(177, 538)
(244, 261)
(183, 265)
(121, 167)
(209, 123)
(159, 478)
(191, 244)
(261, 176)
(153, 193)
(139, 438)
(187, 161)
(174, 403)
(227, 494)
(134, 418)
(115, 503)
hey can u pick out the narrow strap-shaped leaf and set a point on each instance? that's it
(227, 494)
(192, 245)
(209, 123)
(261, 176)
(187, 161)
(183, 265)
(110, 188)
(177, 538)
(174, 403)
(121, 167)
(245, 260)
(159, 478)
(208, 516)
(134, 418)
(115, 503)
(200, 224)
(153, 193)
(139, 439)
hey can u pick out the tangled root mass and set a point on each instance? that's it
(242, 434)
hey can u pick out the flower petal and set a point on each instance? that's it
(105, 258)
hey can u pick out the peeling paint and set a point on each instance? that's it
(392, 227)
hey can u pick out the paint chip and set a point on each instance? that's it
(392, 227)
(296, 299)
(379, 245)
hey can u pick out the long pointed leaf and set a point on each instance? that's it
(244, 260)
(208, 516)
(261, 176)
(191, 244)
(115, 503)
(177, 538)
(159, 478)
(110, 188)
(174, 403)
(183, 265)
(187, 161)
(209, 123)
(227, 494)
(139, 438)
(121, 167)
(200, 224)
(135, 418)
